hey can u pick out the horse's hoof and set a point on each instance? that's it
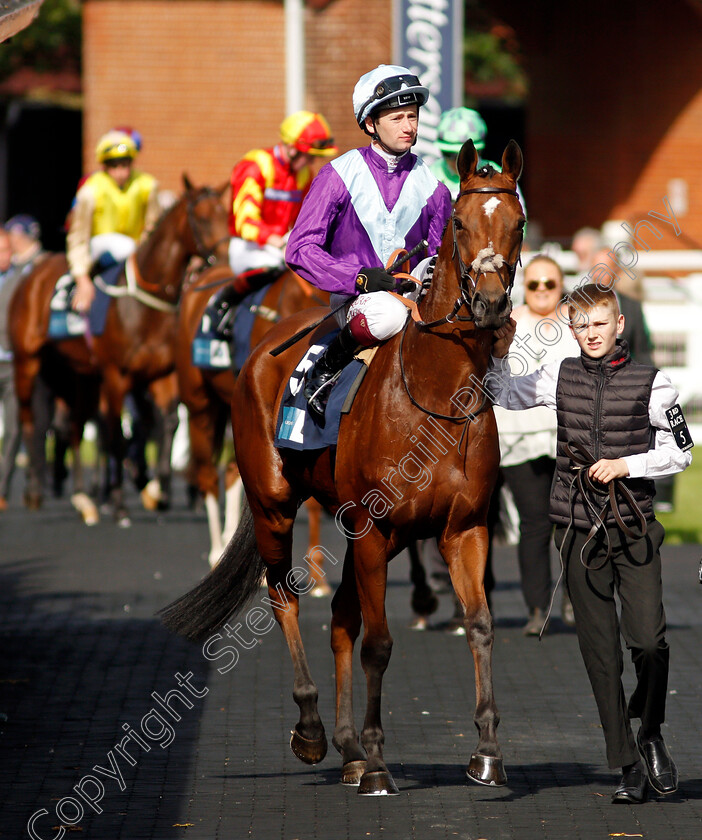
(321, 590)
(311, 752)
(377, 783)
(86, 508)
(419, 622)
(486, 770)
(352, 771)
(123, 520)
(151, 495)
(32, 501)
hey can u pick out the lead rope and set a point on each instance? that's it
(581, 481)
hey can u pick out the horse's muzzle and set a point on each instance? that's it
(489, 312)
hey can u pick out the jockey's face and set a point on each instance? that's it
(119, 170)
(396, 128)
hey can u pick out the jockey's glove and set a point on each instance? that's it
(375, 280)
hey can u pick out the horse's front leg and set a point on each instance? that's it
(116, 387)
(165, 395)
(345, 627)
(466, 555)
(274, 538)
(370, 563)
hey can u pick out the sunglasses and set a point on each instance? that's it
(549, 285)
(322, 143)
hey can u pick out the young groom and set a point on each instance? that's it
(619, 427)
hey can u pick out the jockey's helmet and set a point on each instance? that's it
(309, 133)
(133, 133)
(388, 86)
(458, 125)
(115, 145)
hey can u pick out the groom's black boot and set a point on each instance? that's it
(320, 378)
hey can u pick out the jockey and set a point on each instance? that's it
(114, 208)
(455, 127)
(360, 209)
(268, 186)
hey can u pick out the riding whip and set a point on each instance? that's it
(399, 262)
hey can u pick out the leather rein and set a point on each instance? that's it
(138, 288)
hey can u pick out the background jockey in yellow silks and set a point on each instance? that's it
(114, 208)
(268, 186)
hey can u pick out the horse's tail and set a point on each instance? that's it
(230, 585)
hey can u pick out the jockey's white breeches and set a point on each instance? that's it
(385, 315)
(116, 244)
(245, 255)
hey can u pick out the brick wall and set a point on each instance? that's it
(204, 80)
(614, 112)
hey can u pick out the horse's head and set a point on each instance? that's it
(206, 233)
(487, 225)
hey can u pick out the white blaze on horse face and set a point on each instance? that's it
(490, 205)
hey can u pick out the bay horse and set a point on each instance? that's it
(136, 347)
(207, 394)
(418, 413)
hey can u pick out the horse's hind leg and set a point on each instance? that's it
(424, 600)
(274, 537)
(466, 554)
(345, 627)
(321, 588)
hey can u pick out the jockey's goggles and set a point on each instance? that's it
(394, 93)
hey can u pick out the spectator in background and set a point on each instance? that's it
(528, 438)
(586, 243)
(25, 238)
(9, 279)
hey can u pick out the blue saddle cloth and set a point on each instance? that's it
(212, 346)
(64, 322)
(244, 324)
(296, 429)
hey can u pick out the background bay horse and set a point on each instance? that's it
(417, 456)
(207, 394)
(136, 347)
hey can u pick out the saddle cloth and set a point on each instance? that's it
(296, 429)
(222, 331)
(64, 322)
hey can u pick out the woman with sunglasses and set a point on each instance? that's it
(360, 209)
(528, 438)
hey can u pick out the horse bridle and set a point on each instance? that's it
(467, 285)
(205, 253)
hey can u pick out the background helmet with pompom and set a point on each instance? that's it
(458, 125)
(115, 145)
(309, 133)
(388, 86)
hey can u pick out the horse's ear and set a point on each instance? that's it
(512, 160)
(187, 183)
(467, 160)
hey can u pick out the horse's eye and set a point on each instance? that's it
(520, 224)
(458, 223)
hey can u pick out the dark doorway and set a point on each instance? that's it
(43, 158)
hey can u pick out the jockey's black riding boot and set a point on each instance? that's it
(318, 384)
